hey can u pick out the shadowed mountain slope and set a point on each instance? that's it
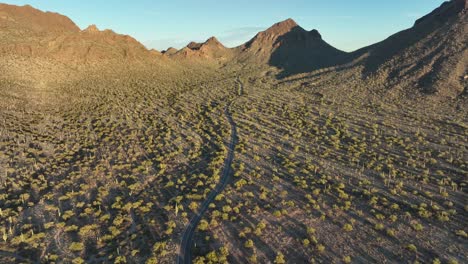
(290, 48)
(431, 55)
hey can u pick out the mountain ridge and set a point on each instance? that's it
(35, 19)
(430, 56)
(412, 57)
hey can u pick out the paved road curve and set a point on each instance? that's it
(185, 249)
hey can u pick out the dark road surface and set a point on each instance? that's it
(185, 249)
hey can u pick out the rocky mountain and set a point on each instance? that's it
(30, 32)
(291, 48)
(93, 45)
(210, 49)
(432, 55)
(169, 51)
(29, 19)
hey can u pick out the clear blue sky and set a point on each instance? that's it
(346, 24)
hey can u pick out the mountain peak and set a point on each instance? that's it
(28, 17)
(213, 43)
(92, 29)
(288, 23)
(194, 45)
(169, 51)
(283, 27)
(315, 34)
(287, 31)
(212, 40)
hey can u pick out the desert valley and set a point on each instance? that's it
(284, 149)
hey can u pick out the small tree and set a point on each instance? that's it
(203, 226)
(279, 259)
(249, 243)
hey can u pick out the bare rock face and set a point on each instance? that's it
(291, 48)
(92, 29)
(431, 56)
(29, 32)
(281, 28)
(170, 51)
(212, 45)
(211, 49)
(282, 32)
(194, 45)
(213, 42)
(28, 18)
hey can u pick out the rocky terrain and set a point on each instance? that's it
(282, 150)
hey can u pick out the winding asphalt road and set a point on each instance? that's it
(185, 248)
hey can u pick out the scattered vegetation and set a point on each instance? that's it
(110, 167)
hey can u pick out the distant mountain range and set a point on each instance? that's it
(430, 56)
